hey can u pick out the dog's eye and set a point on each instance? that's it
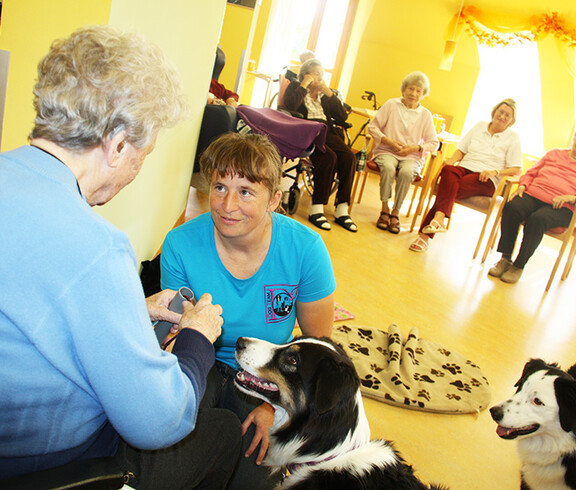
(536, 401)
(292, 360)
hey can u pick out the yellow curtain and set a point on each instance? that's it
(496, 29)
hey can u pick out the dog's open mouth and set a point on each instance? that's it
(254, 383)
(513, 432)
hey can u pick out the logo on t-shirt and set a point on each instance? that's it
(280, 300)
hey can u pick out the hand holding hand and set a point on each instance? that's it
(204, 317)
(263, 417)
(157, 305)
(407, 150)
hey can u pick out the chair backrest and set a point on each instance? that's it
(284, 82)
(219, 63)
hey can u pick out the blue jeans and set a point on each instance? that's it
(221, 393)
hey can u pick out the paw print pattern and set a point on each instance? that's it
(471, 364)
(382, 351)
(344, 329)
(474, 382)
(444, 352)
(361, 350)
(410, 353)
(462, 386)
(419, 350)
(371, 382)
(453, 368)
(410, 403)
(394, 339)
(394, 356)
(453, 396)
(375, 368)
(424, 394)
(438, 374)
(365, 334)
(397, 381)
(423, 377)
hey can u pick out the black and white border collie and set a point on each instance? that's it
(542, 416)
(320, 432)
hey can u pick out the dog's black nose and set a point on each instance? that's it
(497, 413)
(241, 343)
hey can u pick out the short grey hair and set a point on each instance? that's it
(416, 78)
(99, 81)
(308, 66)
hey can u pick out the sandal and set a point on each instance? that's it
(346, 222)
(383, 221)
(419, 245)
(433, 227)
(320, 221)
(394, 225)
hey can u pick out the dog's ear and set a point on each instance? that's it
(530, 367)
(333, 384)
(565, 389)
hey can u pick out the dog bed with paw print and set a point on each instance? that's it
(413, 372)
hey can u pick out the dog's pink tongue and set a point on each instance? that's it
(503, 431)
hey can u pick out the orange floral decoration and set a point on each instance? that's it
(498, 35)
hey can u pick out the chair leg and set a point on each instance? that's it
(569, 261)
(412, 200)
(559, 259)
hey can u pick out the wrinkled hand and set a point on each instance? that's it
(559, 201)
(263, 417)
(157, 305)
(307, 80)
(518, 192)
(396, 146)
(204, 317)
(485, 175)
(407, 150)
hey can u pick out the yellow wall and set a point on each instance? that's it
(234, 38)
(28, 28)
(149, 207)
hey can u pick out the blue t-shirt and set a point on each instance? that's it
(296, 268)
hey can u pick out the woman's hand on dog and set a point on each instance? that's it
(263, 418)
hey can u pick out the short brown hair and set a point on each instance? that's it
(251, 156)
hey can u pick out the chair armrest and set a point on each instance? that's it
(96, 473)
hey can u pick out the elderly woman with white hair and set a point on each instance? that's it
(311, 97)
(403, 132)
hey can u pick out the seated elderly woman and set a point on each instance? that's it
(544, 199)
(310, 96)
(489, 151)
(403, 132)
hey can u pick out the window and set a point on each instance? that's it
(513, 72)
(296, 25)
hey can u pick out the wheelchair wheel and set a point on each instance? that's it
(308, 178)
(293, 199)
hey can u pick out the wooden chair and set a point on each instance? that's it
(372, 167)
(482, 204)
(562, 234)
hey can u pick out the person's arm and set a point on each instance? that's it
(294, 96)
(455, 158)
(316, 318)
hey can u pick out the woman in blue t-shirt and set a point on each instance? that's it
(265, 269)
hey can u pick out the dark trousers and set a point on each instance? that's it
(537, 217)
(456, 183)
(221, 392)
(338, 160)
(205, 459)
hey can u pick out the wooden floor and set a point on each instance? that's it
(454, 303)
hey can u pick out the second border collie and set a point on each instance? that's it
(320, 432)
(542, 416)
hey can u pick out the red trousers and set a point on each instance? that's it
(456, 183)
